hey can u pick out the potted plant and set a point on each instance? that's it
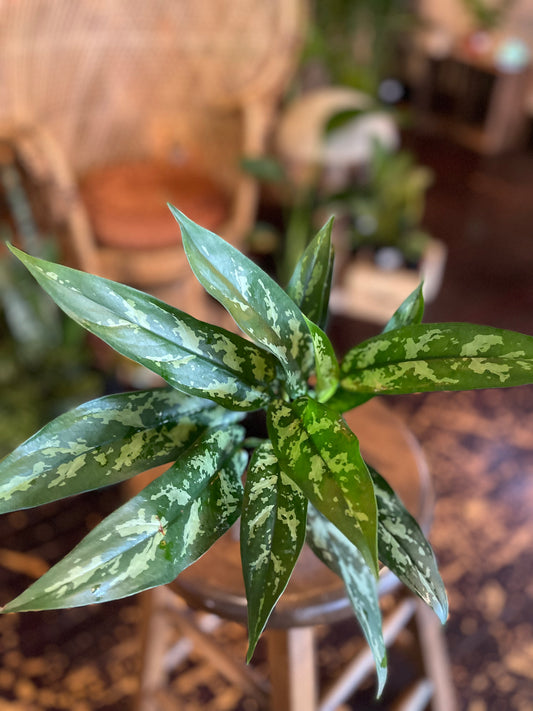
(305, 480)
(390, 251)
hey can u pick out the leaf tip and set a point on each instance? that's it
(441, 608)
(381, 672)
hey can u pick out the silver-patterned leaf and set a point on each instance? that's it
(272, 536)
(341, 556)
(258, 305)
(321, 454)
(326, 364)
(442, 356)
(403, 548)
(410, 311)
(103, 442)
(310, 284)
(192, 356)
(149, 540)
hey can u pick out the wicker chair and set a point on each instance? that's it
(115, 107)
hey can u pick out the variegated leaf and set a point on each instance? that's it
(272, 536)
(103, 442)
(410, 311)
(429, 357)
(259, 306)
(336, 551)
(326, 365)
(192, 356)
(403, 547)
(155, 535)
(321, 454)
(310, 284)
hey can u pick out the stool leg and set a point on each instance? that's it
(435, 657)
(291, 657)
(155, 642)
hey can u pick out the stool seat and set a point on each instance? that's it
(315, 595)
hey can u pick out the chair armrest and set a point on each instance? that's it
(47, 170)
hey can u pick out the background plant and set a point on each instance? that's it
(44, 365)
(305, 481)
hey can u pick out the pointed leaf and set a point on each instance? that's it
(403, 548)
(195, 357)
(410, 311)
(326, 365)
(155, 535)
(321, 454)
(310, 284)
(259, 306)
(272, 536)
(442, 356)
(103, 442)
(341, 556)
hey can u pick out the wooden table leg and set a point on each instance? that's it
(291, 655)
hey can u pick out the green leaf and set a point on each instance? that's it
(103, 442)
(155, 535)
(319, 452)
(326, 365)
(344, 400)
(341, 556)
(310, 284)
(258, 305)
(410, 311)
(429, 357)
(272, 536)
(192, 356)
(405, 550)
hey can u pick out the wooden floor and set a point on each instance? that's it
(480, 450)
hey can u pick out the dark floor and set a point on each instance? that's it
(480, 451)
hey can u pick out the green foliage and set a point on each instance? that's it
(388, 205)
(306, 481)
(44, 363)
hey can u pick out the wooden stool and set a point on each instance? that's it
(314, 596)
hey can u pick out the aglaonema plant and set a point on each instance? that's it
(305, 481)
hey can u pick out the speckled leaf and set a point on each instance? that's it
(405, 550)
(155, 535)
(326, 365)
(195, 357)
(103, 442)
(258, 305)
(410, 311)
(321, 454)
(336, 551)
(310, 284)
(429, 357)
(272, 536)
